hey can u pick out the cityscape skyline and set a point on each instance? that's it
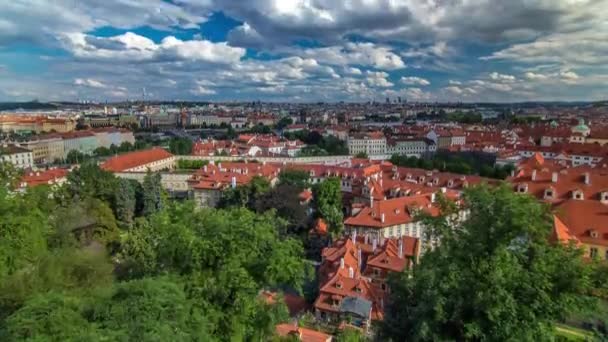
(304, 51)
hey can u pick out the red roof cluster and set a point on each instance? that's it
(357, 267)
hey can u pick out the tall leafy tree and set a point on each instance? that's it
(494, 276)
(152, 193)
(125, 202)
(284, 199)
(328, 200)
(297, 178)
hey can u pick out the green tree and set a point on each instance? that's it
(181, 146)
(152, 309)
(50, 317)
(284, 122)
(494, 276)
(23, 232)
(284, 199)
(90, 181)
(350, 335)
(102, 152)
(361, 155)
(328, 201)
(125, 202)
(9, 176)
(152, 193)
(297, 178)
(76, 157)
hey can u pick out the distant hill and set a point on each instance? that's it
(33, 105)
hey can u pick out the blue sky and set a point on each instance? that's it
(304, 50)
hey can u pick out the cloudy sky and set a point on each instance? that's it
(304, 50)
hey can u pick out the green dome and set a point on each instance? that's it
(581, 127)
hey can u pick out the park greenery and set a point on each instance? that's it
(318, 145)
(100, 258)
(259, 196)
(181, 146)
(495, 277)
(185, 164)
(466, 164)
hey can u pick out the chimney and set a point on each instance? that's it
(533, 175)
(360, 257)
(433, 196)
(382, 217)
(401, 247)
(587, 178)
(233, 182)
(205, 168)
(512, 173)
(554, 177)
(351, 272)
(374, 244)
(341, 262)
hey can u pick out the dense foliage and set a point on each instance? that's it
(106, 259)
(466, 164)
(494, 277)
(319, 145)
(181, 146)
(185, 164)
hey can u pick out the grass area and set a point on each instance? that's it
(569, 333)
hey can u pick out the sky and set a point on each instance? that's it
(304, 50)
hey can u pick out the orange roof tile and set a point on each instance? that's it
(302, 334)
(134, 159)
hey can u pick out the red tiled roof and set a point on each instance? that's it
(585, 219)
(134, 159)
(392, 212)
(302, 334)
(44, 177)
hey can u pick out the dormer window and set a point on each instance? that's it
(450, 183)
(604, 196)
(338, 285)
(522, 188)
(549, 193)
(577, 195)
(358, 289)
(594, 234)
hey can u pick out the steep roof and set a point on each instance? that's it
(585, 219)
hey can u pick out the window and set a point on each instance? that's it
(592, 252)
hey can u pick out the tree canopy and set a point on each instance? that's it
(494, 276)
(174, 272)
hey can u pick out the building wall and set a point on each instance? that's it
(368, 146)
(160, 165)
(23, 160)
(601, 252)
(207, 198)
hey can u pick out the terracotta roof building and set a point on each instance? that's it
(155, 159)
